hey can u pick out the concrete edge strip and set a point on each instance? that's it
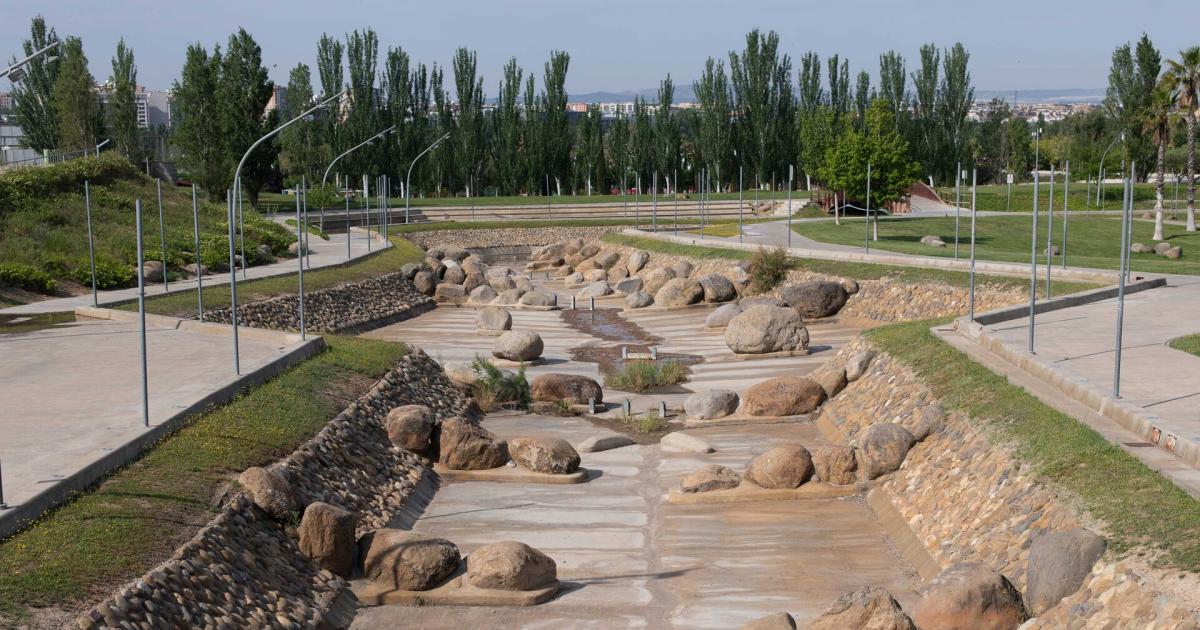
(262, 335)
(949, 264)
(1067, 301)
(19, 517)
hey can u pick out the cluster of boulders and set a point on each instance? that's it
(1159, 249)
(933, 240)
(152, 270)
(465, 445)
(344, 307)
(766, 324)
(412, 561)
(453, 275)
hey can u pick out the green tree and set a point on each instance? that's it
(1132, 79)
(763, 109)
(198, 128)
(469, 131)
(32, 94)
(301, 150)
(926, 133)
(74, 96)
(243, 91)
(642, 142)
(893, 81)
(589, 150)
(532, 133)
(618, 150)
(881, 146)
(862, 96)
(1156, 122)
(956, 95)
(1183, 80)
(362, 119)
(397, 93)
(506, 149)
(714, 130)
(441, 159)
(333, 81)
(666, 132)
(122, 106)
(556, 136)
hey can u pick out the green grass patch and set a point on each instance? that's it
(1092, 241)
(643, 376)
(312, 228)
(855, 270)
(648, 422)
(386, 261)
(1190, 343)
(141, 513)
(1082, 197)
(1144, 513)
(496, 388)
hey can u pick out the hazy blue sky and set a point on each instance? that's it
(628, 44)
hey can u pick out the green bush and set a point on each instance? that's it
(641, 376)
(769, 267)
(494, 386)
(110, 274)
(26, 277)
(33, 182)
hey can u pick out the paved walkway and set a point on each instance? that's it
(1155, 378)
(324, 253)
(73, 392)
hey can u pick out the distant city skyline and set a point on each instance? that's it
(626, 46)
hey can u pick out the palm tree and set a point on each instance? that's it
(1157, 123)
(1183, 79)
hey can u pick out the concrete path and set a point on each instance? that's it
(324, 253)
(72, 393)
(629, 559)
(1154, 377)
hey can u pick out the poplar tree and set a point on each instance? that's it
(468, 136)
(122, 105)
(714, 132)
(32, 94)
(666, 132)
(197, 130)
(76, 105)
(506, 148)
(243, 91)
(556, 136)
(362, 119)
(333, 81)
(763, 107)
(589, 150)
(300, 140)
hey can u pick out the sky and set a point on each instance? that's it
(620, 45)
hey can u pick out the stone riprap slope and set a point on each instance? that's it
(503, 237)
(245, 570)
(340, 308)
(966, 499)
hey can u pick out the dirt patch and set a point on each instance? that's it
(607, 324)
(619, 426)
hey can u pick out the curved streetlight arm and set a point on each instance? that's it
(1100, 183)
(408, 176)
(13, 69)
(348, 151)
(237, 174)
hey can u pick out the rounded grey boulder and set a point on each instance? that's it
(763, 329)
(1059, 562)
(639, 299)
(717, 288)
(510, 566)
(882, 448)
(679, 292)
(518, 345)
(815, 299)
(710, 404)
(721, 317)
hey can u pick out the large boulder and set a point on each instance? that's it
(722, 315)
(589, 249)
(152, 271)
(774, 621)
(710, 404)
(598, 443)
(545, 455)
(616, 274)
(454, 274)
(596, 289)
(1059, 562)
(782, 396)
(783, 467)
(857, 366)
(327, 536)
(460, 372)
(815, 299)
(407, 560)
(411, 427)
(761, 300)
(595, 275)
(656, 278)
(678, 292)
(536, 298)
(969, 595)
(831, 378)
(763, 329)
(1175, 252)
(639, 299)
(269, 491)
(424, 281)
(508, 297)
(476, 281)
(682, 269)
(474, 264)
(835, 464)
(684, 443)
(523, 282)
(882, 448)
(510, 566)
(501, 283)
(926, 421)
(710, 477)
(518, 345)
(636, 260)
(1140, 248)
(464, 445)
(494, 318)
(628, 285)
(717, 288)
(482, 294)
(448, 293)
(571, 388)
(607, 259)
(1162, 248)
(445, 251)
(867, 608)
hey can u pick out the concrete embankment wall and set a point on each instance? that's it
(244, 569)
(959, 497)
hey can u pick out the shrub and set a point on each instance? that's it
(495, 387)
(649, 422)
(26, 277)
(110, 274)
(768, 268)
(32, 182)
(641, 376)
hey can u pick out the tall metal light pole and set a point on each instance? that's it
(971, 298)
(791, 180)
(237, 183)
(1126, 212)
(15, 73)
(1050, 231)
(408, 177)
(1066, 204)
(1100, 180)
(1033, 243)
(957, 203)
(335, 161)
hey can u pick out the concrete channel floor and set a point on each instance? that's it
(627, 557)
(72, 392)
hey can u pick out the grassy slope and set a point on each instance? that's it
(858, 271)
(1142, 510)
(995, 198)
(49, 229)
(1092, 241)
(137, 516)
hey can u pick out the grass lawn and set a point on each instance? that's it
(184, 304)
(1190, 343)
(1142, 510)
(137, 517)
(856, 270)
(995, 197)
(1092, 241)
(282, 202)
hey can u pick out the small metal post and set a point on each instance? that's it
(637, 192)
(199, 263)
(957, 203)
(1066, 201)
(971, 276)
(1050, 232)
(549, 212)
(675, 193)
(233, 314)
(3, 505)
(555, 294)
(241, 213)
(662, 409)
(628, 407)
(137, 205)
(572, 302)
(654, 203)
(300, 228)
(1033, 259)
(304, 213)
(867, 214)
(367, 209)
(162, 236)
(87, 203)
(654, 353)
(624, 352)
(591, 405)
(591, 303)
(1127, 199)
